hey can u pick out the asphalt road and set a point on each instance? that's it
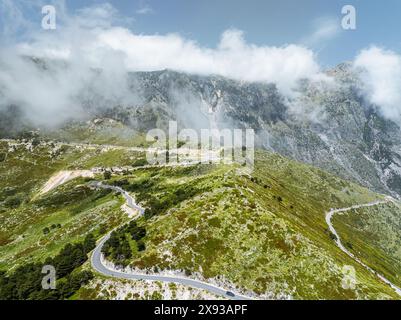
(330, 214)
(97, 262)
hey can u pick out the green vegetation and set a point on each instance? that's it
(26, 281)
(140, 162)
(265, 233)
(123, 242)
(373, 234)
(104, 131)
(27, 219)
(164, 188)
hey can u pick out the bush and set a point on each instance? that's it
(89, 243)
(26, 281)
(35, 142)
(333, 236)
(136, 232)
(9, 191)
(118, 247)
(121, 183)
(140, 162)
(141, 245)
(13, 202)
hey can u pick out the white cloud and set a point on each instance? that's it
(96, 16)
(145, 10)
(325, 29)
(96, 31)
(233, 57)
(94, 38)
(381, 74)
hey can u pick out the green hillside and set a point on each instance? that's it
(373, 235)
(69, 212)
(264, 233)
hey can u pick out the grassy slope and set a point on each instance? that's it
(267, 236)
(373, 234)
(75, 207)
(108, 132)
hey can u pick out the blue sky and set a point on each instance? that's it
(266, 22)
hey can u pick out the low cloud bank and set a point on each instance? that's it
(93, 39)
(97, 38)
(233, 58)
(381, 75)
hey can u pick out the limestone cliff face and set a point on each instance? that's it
(328, 125)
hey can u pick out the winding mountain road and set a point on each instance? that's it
(330, 214)
(99, 264)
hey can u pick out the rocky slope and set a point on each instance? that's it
(328, 125)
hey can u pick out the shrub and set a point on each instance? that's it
(107, 175)
(333, 236)
(141, 245)
(25, 282)
(140, 162)
(121, 183)
(89, 243)
(13, 202)
(35, 142)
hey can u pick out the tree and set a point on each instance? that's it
(35, 142)
(114, 240)
(106, 249)
(25, 282)
(89, 243)
(13, 202)
(126, 250)
(140, 162)
(78, 256)
(141, 245)
(333, 236)
(138, 233)
(107, 175)
(148, 213)
(121, 183)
